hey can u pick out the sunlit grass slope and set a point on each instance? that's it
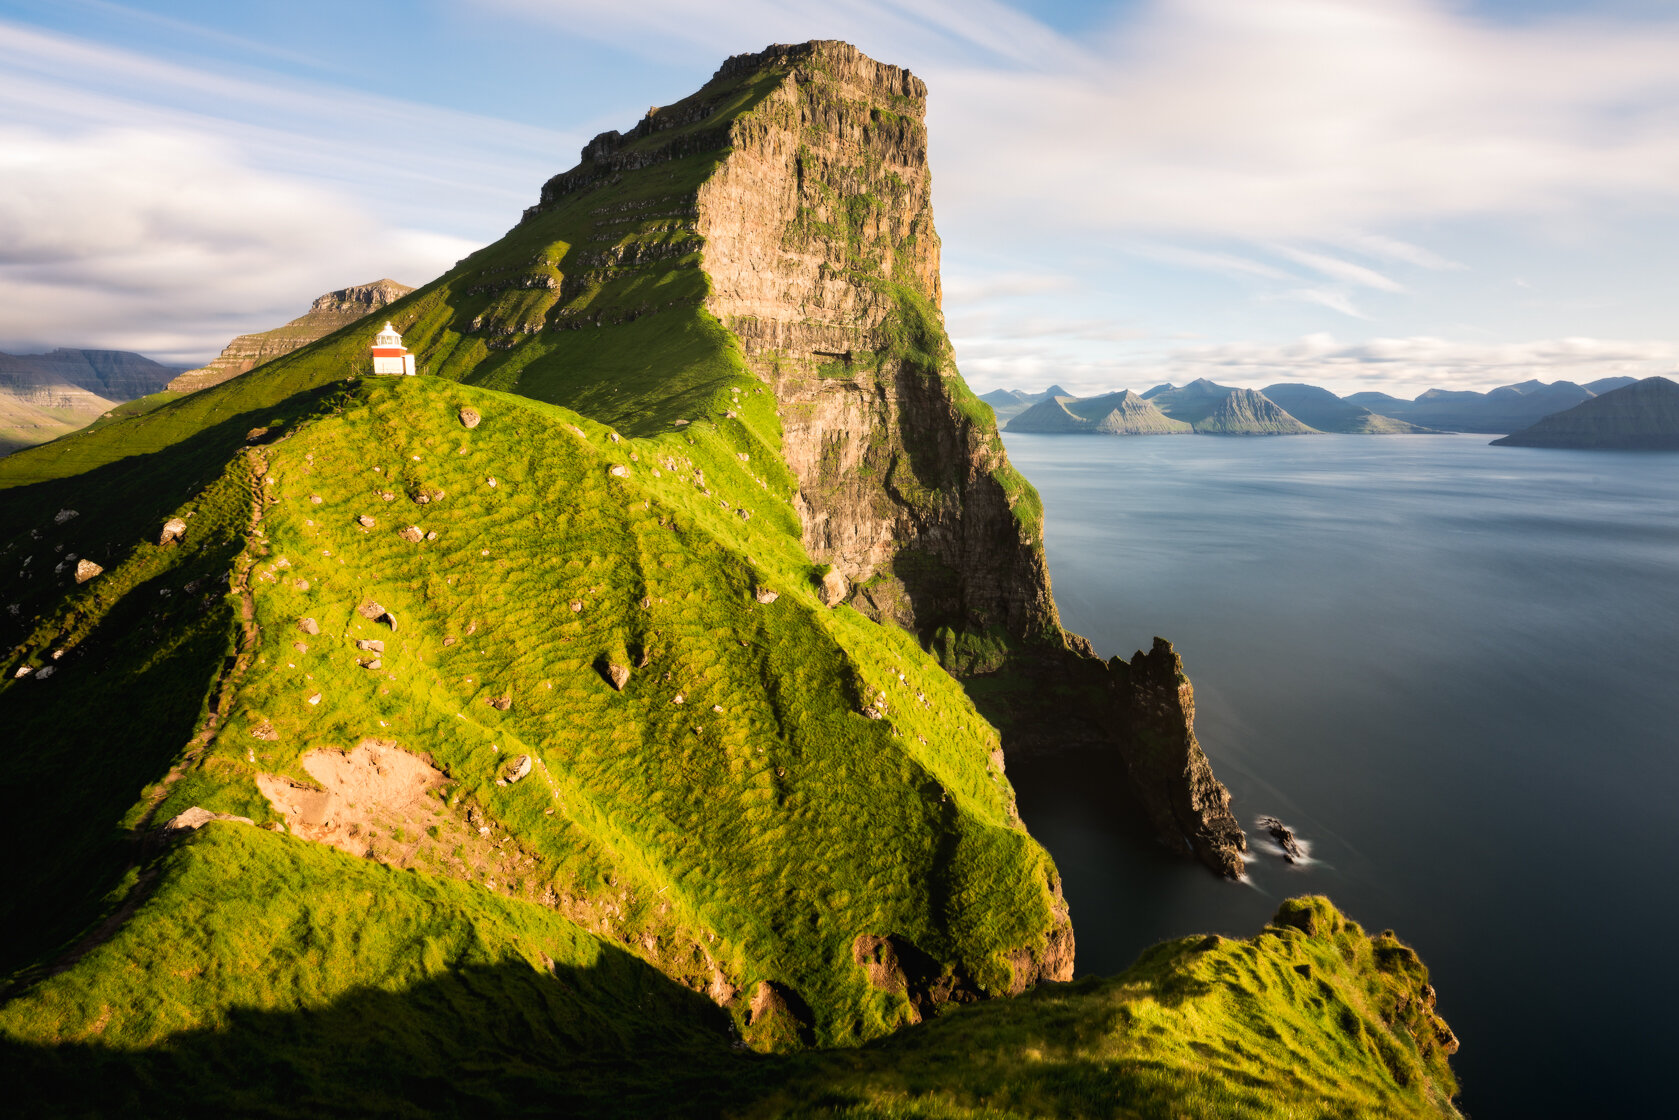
(336, 986)
(750, 830)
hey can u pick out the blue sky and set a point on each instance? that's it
(1364, 194)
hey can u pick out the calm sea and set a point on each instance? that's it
(1454, 670)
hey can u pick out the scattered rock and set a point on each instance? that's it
(613, 436)
(86, 570)
(745, 514)
(492, 483)
(373, 644)
(316, 499)
(1285, 838)
(412, 534)
(517, 769)
(730, 415)
(576, 606)
(315, 699)
(64, 515)
(619, 471)
(369, 610)
(196, 818)
(388, 496)
(300, 647)
(365, 521)
(431, 536)
(265, 731)
(470, 417)
(717, 708)
(174, 529)
(388, 619)
(255, 434)
(373, 664)
(678, 699)
(45, 671)
(501, 703)
(619, 675)
(679, 423)
(873, 713)
(23, 671)
(765, 595)
(834, 588)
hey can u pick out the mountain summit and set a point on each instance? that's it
(631, 690)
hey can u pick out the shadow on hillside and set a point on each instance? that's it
(615, 1039)
(127, 698)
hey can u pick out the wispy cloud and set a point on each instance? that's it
(151, 205)
(1402, 366)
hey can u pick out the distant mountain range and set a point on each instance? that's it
(44, 396)
(1642, 416)
(1289, 409)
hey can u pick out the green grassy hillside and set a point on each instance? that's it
(555, 784)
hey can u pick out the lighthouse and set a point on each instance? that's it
(389, 355)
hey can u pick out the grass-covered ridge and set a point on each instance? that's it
(336, 986)
(749, 831)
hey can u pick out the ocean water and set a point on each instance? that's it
(1453, 669)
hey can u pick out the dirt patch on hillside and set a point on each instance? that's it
(373, 801)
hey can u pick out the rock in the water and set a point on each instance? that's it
(517, 769)
(196, 818)
(1285, 838)
(834, 588)
(86, 570)
(619, 675)
(412, 534)
(308, 626)
(470, 417)
(175, 529)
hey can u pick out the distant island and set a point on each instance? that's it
(1207, 408)
(1642, 416)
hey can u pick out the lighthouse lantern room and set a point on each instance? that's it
(389, 357)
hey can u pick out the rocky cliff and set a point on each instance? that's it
(813, 226)
(328, 313)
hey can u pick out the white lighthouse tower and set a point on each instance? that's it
(388, 354)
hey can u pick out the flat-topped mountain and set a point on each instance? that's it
(1643, 416)
(632, 689)
(326, 314)
(44, 396)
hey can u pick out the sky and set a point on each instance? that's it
(1384, 195)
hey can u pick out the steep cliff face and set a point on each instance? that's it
(327, 314)
(1154, 706)
(796, 186)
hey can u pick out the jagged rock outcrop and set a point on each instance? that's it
(328, 313)
(1155, 705)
